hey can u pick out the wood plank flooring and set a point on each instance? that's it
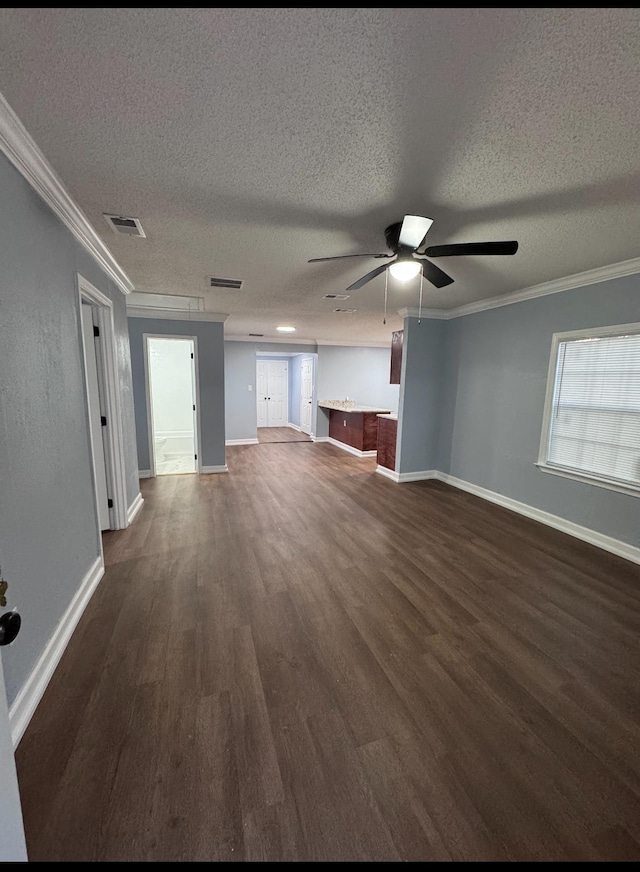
(302, 660)
(281, 434)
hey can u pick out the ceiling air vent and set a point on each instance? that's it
(346, 311)
(336, 296)
(234, 284)
(126, 226)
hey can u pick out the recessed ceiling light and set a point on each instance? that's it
(286, 329)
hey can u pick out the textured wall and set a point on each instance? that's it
(210, 344)
(496, 376)
(49, 534)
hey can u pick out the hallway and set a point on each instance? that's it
(302, 660)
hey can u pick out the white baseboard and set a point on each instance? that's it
(209, 470)
(241, 442)
(134, 508)
(144, 473)
(32, 690)
(607, 543)
(355, 451)
(319, 438)
(295, 427)
(421, 475)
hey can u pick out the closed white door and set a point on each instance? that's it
(12, 846)
(261, 392)
(95, 416)
(306, 395)
(278, 393)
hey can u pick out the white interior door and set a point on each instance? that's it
(12, 844)
(97, 443)
(261, 392)
(306, 394)
(278, 393)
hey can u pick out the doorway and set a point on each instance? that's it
(102, 394)
(272, 393)
(172, 404)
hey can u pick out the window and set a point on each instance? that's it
(591, 428)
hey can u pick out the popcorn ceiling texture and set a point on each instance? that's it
(250, 140)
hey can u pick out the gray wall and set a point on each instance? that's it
(210, 342)
(362, 374)
(496, 368)
(295, 374)
(49, 535)
(240, 371)
(419, 417)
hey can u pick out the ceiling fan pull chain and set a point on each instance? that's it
(386, 280)
(420, 303)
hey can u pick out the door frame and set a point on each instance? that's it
(313, 379)
(147, 389)
(109, 385)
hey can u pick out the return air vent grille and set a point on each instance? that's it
(346, 311)
(123, 225)
(336, 296)
(233, 284)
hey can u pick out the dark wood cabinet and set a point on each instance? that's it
(387, 434)
(357, 429)
(396, 356)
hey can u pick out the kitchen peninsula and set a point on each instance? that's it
(353, 425)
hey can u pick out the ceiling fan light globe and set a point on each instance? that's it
(404, 270)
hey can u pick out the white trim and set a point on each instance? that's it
(577, 475)
(144, 473)
(241, 442)
(355, 451)
(26, 157)
(209, 470)
(607, 543)
(134, 508)
(388, 473)
(147, 386)
(543, 453)
(173, 314)
(295, 427)
(319, 438)
(110, 378)
(555, 286)
(34, 687)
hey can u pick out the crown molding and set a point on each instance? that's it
(555, 286)
(26, 157)
(173, 314)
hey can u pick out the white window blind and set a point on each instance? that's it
(594, 426)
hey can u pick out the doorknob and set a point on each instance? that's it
(9, 627)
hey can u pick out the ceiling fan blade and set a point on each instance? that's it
(370, 275)
(413, 230)
(460, 248)
(341, 256)
(434, 274)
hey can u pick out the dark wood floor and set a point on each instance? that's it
(281, 434)
(303, 660)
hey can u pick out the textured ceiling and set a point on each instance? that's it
(250, 140)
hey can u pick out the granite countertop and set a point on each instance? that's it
(391, 415)
(350, 406)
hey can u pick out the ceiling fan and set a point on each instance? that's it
(405, 238)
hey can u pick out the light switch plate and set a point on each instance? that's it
(249, 387)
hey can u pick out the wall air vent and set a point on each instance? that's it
(256, 334)
(336, 296)
(346, 311)
(233, 284)
(127, 226)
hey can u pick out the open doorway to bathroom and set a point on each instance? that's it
(172, 404)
